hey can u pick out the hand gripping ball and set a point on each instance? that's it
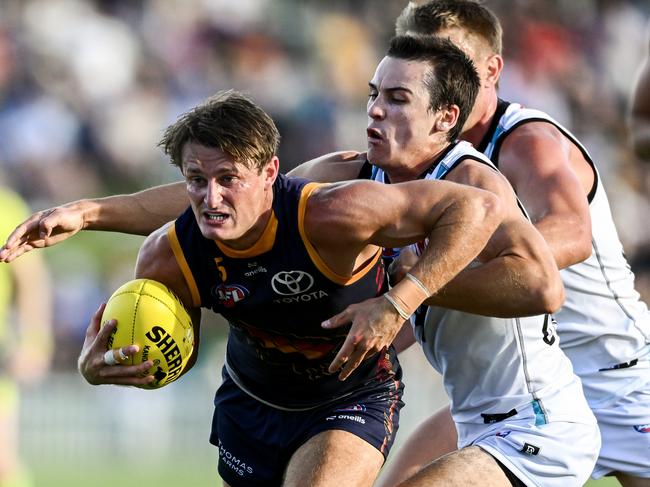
(149, 315)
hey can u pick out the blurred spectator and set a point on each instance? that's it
(25, 337)
(639, 122)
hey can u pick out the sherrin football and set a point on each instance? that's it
(149, 315)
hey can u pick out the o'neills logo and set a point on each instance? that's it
(170, 350)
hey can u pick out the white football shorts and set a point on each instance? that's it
(625, 432)
(556, 454)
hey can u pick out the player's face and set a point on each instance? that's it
(231, 202)
(400, 124)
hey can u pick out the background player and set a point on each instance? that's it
(25, 337)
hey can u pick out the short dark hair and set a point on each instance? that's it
(452, 80)
(230, 122)
(435, 15)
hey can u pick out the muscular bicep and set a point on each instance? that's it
(365, 212)
(552, 179)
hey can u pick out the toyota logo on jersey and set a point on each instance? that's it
(290, 283)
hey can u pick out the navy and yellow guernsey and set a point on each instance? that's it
(275, 295)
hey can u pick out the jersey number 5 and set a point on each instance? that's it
(222, 270)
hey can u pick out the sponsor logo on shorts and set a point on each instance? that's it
(643, 428)
(349, 417)
(230, 295)
(503, 434)
(356, 407)
(233, 462)
(529, 449)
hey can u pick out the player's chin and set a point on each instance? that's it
(378, 157)
(215, 232)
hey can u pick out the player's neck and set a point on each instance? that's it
(479, 120)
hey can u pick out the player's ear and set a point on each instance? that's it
(446, 118)
(494, 67)
(271, 171)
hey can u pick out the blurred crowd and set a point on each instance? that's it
(86, 88)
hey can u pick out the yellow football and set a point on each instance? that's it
(149, 315)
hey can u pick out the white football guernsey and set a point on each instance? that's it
(604, 327)
(495, 368)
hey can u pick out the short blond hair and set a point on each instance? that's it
(436, 15)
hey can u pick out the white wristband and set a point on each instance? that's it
(419, 284)
(397, 307)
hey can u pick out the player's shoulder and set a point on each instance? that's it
(337, 166)
(156, 252)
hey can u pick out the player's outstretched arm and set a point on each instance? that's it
(639, 120)
(346, 221)
(138, 213)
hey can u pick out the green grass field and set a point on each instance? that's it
(188, 473)
(604, 482)
(168, 473)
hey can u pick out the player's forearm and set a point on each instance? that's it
(504, 287)
(459, 235)
(139, 213)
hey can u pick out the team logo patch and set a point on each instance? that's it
(529, 449)
(230, 295)
(290, 283)
(643, 428)
(503, 434)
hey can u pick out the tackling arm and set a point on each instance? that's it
(515, 274)
(345, 222)
(138, 213)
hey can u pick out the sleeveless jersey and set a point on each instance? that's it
(603, 324)
(275, 296)
(494, 368)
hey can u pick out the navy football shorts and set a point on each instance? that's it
(256, 441)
